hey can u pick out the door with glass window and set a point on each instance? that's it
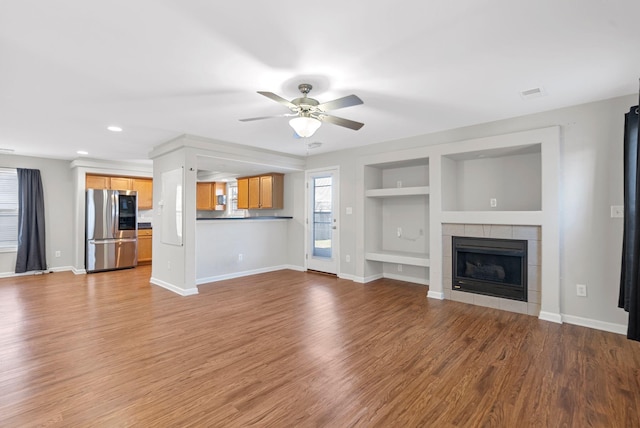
(322, 221)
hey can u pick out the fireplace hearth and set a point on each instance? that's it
(493, 267)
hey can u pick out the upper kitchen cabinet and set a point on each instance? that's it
(243, 193)
(261, 192)
(207, 195)
(98, 182)
(144, 187)
(121, 183)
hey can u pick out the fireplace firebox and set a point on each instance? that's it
(494, 267)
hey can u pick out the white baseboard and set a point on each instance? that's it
(296, 268)
(233, 275)
(175, 289)
(62, 269)
(435, 295)
(550, 316)
(371, 278)
(79, 271)
(412, 279)
(36, 272)
(595, 324)
(348, 277)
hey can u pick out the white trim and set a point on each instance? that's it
(550, 316)
(233, 275)
(61, 269)
(435, 295)
(294, 267)
(175, 289)
(348, 277)
(14, 275)
(412, 279)
(371, 278)
(79, 271)
(335, 188)
(595, 324)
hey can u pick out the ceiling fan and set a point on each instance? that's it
(308, 114)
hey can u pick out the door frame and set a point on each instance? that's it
(335, 190)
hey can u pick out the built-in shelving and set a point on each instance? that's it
(397, 221)
(397, 191)
(498, 179)
(399, 257)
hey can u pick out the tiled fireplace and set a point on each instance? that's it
(532, 234)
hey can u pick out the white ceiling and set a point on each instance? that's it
(162, 68)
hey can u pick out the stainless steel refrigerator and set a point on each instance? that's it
(112, 230)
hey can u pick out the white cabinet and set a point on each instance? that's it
(397, 219)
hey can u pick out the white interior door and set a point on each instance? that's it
(322, 220)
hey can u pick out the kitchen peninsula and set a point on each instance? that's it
(229, 247)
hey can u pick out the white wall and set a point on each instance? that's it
(514, 181)
(262, 244)
(591, 170)
(57, 183)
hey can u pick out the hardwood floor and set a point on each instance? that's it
(296, 349)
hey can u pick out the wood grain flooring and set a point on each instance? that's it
(297, 349)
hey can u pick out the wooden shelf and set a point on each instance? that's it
(399, 257)
(397, 191)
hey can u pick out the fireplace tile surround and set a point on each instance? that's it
(530, 233)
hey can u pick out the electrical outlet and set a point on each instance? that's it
(58, 253)
(493, 202)
(581, 290)
(617, 211)
(399, 232)
(399, 183)
(399, 268)
(240, 257)
(347, 258)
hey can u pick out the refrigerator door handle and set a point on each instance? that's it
(111, 241)
(115, 213)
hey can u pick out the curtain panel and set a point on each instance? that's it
(31, 231)
(629, 298)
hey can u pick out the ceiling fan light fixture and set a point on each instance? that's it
(305, 126)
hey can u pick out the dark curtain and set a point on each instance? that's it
(629, 298)
(31, 240)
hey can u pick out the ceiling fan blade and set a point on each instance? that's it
(267, 117)
(278, 99)
(348, 101)
(351, 124)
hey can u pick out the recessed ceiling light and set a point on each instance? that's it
(82, 152)
(114, 128)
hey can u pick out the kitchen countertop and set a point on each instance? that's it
(144, 226)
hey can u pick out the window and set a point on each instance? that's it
(232, 201)
(8, 209)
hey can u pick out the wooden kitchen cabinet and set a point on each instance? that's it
(261, 192)
(144, 187)
(243, 193)
(98, 182)
(145, 240)
(121, 183)
(207, 195)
